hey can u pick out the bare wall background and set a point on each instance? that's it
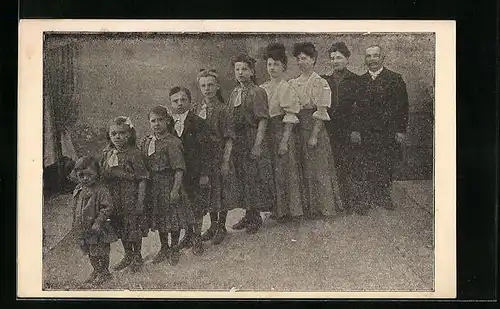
(114, 75)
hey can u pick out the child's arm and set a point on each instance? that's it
(227, 155)
(261, 132)
(106, 208)
(174, 194)
(261, 112)
(141, 195)
(204, 147)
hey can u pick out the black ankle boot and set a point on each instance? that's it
(220, 234)
(94, 261)
(137, 263)
(210, 233)
(124, 263)
(243, 223)
(187, 240)
(254, 225)
(198, 246)
(174, 256)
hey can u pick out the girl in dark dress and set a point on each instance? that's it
(223, 189)
(168, 208)
(125, 175)
(252, 156)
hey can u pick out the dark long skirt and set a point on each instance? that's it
(254, 176)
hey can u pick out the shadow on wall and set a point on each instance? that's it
(129, 74)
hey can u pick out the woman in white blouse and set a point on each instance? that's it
(319, 185)
(283, 108)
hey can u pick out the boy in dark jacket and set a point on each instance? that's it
(191, 129)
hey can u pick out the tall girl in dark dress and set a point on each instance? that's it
(125, 175)
(223, 189)
(252, 156)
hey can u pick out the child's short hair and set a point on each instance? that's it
(177, 89)
(211, 73)
(83, 163)
(124, 121)
(163, 112)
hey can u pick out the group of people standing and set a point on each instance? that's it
(300, 148)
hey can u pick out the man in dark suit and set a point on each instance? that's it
(381, 118)
(344, 86)
(190, 128)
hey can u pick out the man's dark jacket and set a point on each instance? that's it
(382, 105)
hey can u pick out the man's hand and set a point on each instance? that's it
(400, 138)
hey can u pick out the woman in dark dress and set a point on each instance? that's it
(344, 85)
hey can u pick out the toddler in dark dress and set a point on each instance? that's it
(92, 207)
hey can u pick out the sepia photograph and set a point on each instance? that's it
(239, 158)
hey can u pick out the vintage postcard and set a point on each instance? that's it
(236, 159)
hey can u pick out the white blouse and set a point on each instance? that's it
(283, 100)
(314, 93)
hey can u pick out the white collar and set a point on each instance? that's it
(375, 74)
(182, 117)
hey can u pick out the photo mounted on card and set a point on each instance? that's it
(236, 159)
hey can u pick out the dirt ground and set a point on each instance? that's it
(384, 251)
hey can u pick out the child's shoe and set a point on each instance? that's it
(254, 225)
(174, 256)
(162, 255)
(198, 248)
(219, 235)
(243, 223)
(210, 233)
(187, 240)
(136, 264)
(102, 278)
(92, 277)
(124, 263)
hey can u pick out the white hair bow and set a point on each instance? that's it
(128, 121)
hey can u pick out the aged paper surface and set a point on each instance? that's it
(30, 136)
